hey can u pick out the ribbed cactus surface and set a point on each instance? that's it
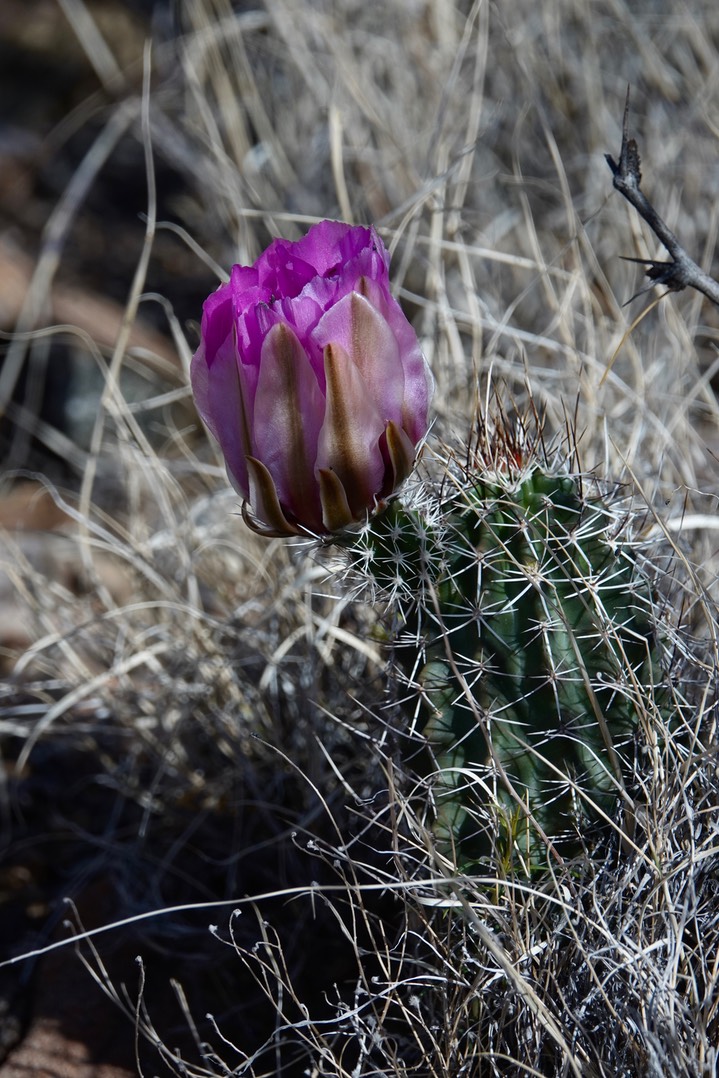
(526, 627)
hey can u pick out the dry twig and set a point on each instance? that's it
(681, 271)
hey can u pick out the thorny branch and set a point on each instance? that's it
(681, 271)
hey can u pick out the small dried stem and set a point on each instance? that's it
(681, 271)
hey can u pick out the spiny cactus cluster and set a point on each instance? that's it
(526, 628)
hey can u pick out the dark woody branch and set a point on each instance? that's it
(681, 271)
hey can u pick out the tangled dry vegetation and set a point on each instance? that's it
(196, 722)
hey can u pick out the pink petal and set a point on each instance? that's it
(349, 439)
(283, 270)
(418, 379)
(217, 315)
(221, 397)
(368, 258)
(288, 412)
(365, 336)
(326, 244)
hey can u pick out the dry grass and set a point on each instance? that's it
(221, 699)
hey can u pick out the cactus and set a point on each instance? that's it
(525, 625)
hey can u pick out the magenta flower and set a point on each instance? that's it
(312, 381)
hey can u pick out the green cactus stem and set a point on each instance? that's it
(527, 629)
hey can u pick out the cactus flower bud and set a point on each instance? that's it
(312, 380)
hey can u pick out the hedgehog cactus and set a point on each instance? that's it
(526, 620)
(526, 627)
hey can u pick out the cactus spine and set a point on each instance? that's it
(526, 627)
